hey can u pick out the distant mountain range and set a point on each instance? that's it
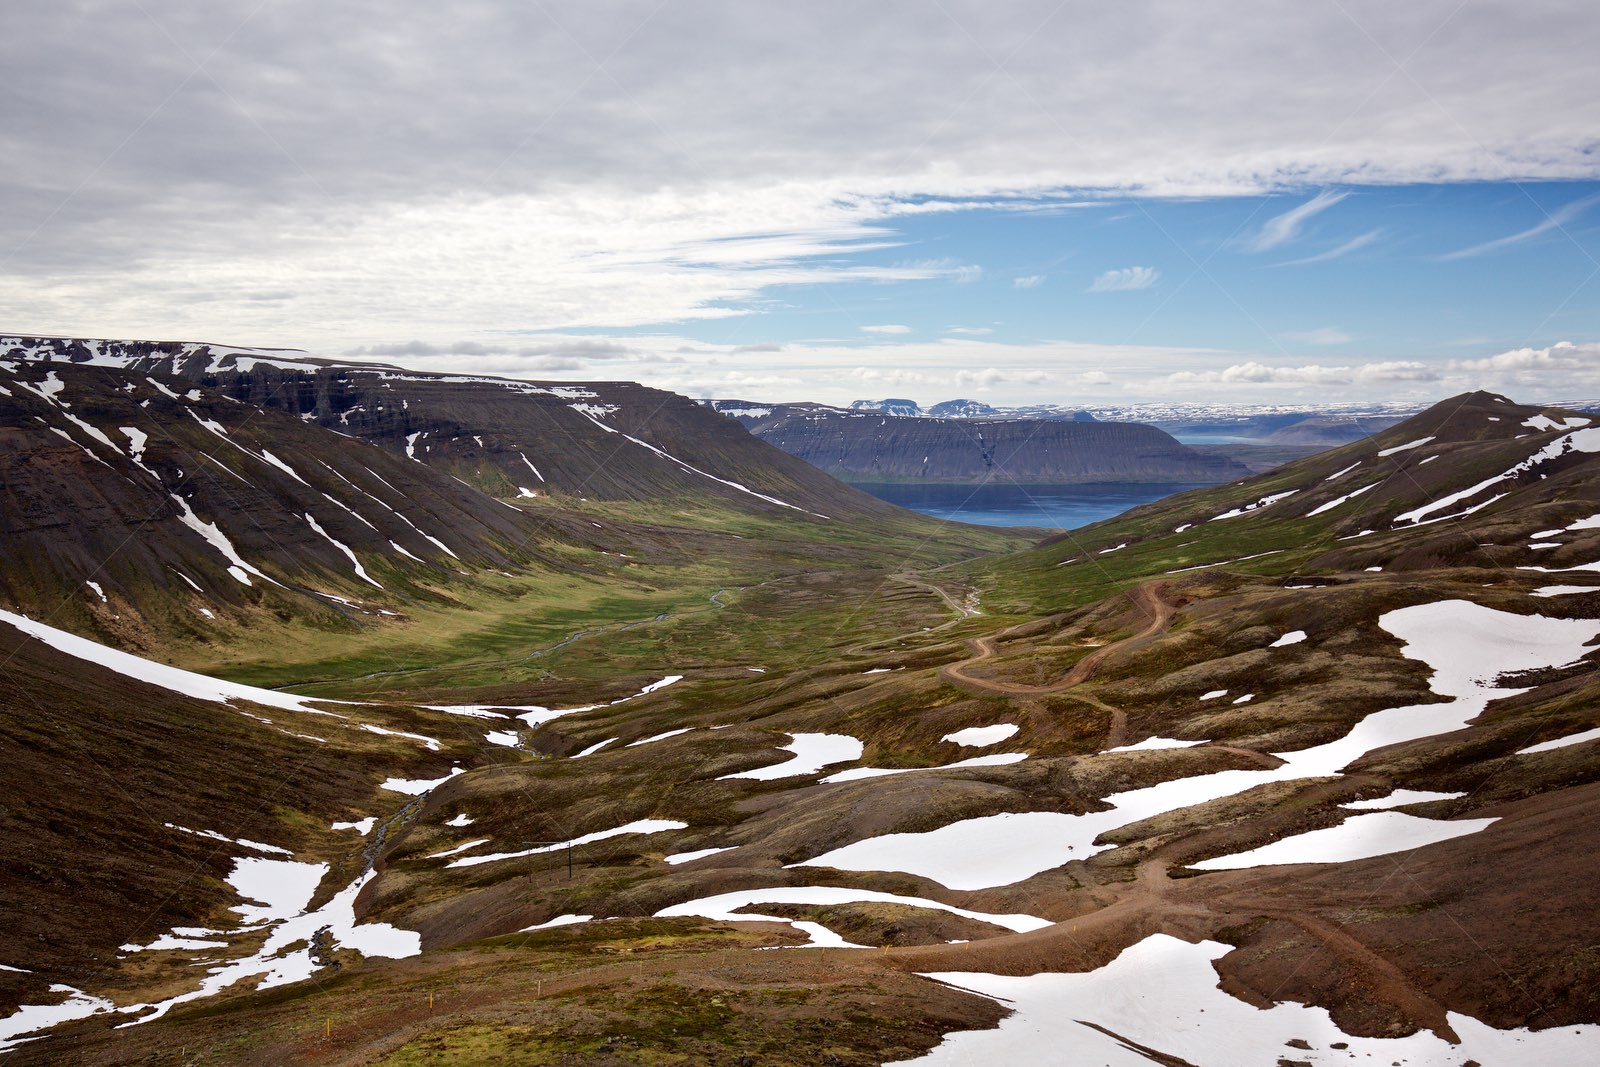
(867, 444)
(1348, 422)
(1321, 425)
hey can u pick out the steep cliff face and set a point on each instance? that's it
(161, 504)
(883, 448)
(510, 438)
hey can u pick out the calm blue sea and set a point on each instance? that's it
(1063, 507)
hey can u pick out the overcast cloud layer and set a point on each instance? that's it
(456, 175)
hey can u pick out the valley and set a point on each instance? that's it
(357, 715)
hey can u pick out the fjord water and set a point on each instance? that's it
(1062, 507)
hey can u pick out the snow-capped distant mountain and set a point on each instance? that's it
(888, 407)
(961, 409)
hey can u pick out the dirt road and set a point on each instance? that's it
(1148, 597)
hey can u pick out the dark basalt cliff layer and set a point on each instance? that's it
(510, 438)
(885, 448)
(150, 499)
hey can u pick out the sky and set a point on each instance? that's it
(1242, 202)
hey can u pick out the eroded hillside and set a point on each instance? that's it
(1322, 741)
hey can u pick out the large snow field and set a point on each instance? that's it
(1162, 993)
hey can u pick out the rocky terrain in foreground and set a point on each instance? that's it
(1294, 769)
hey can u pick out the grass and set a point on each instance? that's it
(702, 598)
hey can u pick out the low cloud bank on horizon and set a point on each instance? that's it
(788, 195)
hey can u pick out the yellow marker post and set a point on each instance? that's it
(430, 1000)
(327, 1028)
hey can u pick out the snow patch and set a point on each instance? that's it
(559, 920)
(1151, 744)
(1330, 505)
(1545, 422)
(699, 854)
(856, 774)
(1561, 742)
(1265, 502)
(812, 752)
(361, 572)
(728, 907)
(458, 849)
(218, 540)
(159, 674)
(658, 737)
(282, 889)
(1418, 443)
(31, 1018)
(982, 736)
(415, 787)
(1357, 838)
(1400, 798)
(638, 826)
(241, 841)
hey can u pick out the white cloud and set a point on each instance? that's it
(1028, 281)
(879, 376)
(945, 267)
(1256, 373)
(341, 193)
(970, 331)
(891, 328)
(1352, 245)
(1324, 335)
(1128, 278)
(841, 370)
(1563, 355)
(1281, 229)
(979, 379)
(1552, 221)
(1562, 366)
